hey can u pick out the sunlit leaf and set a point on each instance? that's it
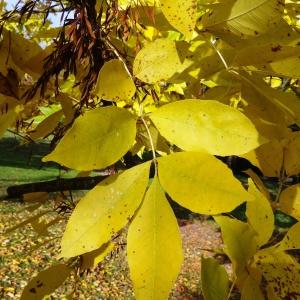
(260, 214)
(214, 280)
(46, 282)
(289, 201)
(200, 182)
(154, 247)
(97, 132)
(104, 211)
(206, 125)
(277, 59)
(181, 14)
(160, 60)
(240, 242)
(244, 18)
(114, 83)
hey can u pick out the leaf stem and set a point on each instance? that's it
(150, 137)
(231, 289)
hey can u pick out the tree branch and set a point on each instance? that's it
(62, 184)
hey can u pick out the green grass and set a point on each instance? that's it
(22, 163)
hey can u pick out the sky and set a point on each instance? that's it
(54, 18)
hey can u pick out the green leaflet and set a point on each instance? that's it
(91, 141)
(46, 282)
(114, 83)
(154, 247)
(214, 280)
(200, 182)
(104, 211)
(208, 126)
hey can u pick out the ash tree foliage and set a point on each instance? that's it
(188, 81)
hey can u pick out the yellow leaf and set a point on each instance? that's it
(289, 201)
(93, 258)
(200, 182)
(160, 60)
(22, 54)
(290, 241)
(283, 105)
(260, 214)
(240, 243)
(154, 247)
(104, 211)
(282, 275)
(267, 112)
(214, 280)
(206, 125)
(91, 142)
(46, 282)
(244, 18)
(268, 158)
(259, 183)
(67, 106)
(8, 114)
(291, 154)
(114, 83)
(251, 290)
(181, 14)
(47, 125)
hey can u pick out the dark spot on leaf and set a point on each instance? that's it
(276, 48)
(32, 290)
